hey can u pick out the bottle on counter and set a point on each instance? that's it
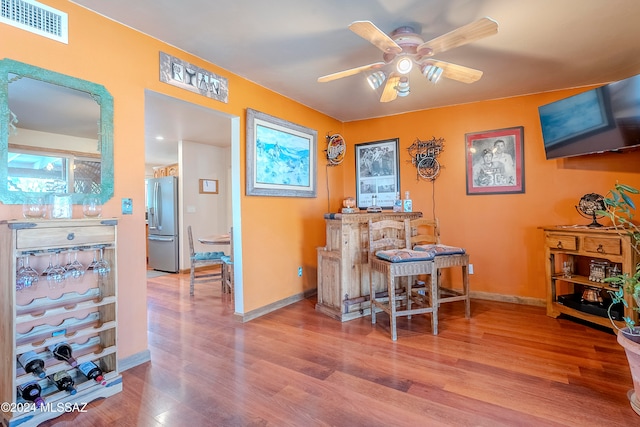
(397, 203)
(92, 372)
(407, 204)
(32, 363)
(64, 382)
(31, 391)
(63, 351)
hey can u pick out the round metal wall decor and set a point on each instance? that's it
(424, 157)
(336, 149)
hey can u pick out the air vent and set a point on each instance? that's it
(35, 17)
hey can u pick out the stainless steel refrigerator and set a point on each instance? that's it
(162, 218)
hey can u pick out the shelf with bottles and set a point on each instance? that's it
(96, 346)
(81, 380)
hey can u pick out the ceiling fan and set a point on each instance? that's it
(405, 48)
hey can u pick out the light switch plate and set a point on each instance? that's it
(127, 206)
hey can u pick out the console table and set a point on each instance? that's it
(580, 247)
(343, 269)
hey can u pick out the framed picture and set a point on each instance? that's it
(377, 173)
(495, 161)
(208, 186)
(281, 157)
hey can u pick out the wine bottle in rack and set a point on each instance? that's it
(31, 391)
(32, 363)
(63, 351)
(63, 381)
(92, 371)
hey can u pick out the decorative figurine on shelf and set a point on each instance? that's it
(348, 205)
(588, 207)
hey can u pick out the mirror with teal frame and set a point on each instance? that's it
(56, 135)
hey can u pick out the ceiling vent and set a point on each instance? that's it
(35, 17)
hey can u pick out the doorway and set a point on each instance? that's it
(204, 144)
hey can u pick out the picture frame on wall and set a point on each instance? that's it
(377, 173)
(281, 157)
(495, 161)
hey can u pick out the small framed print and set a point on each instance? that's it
(208, 186)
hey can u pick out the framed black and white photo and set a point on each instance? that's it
(377, 172)
(495, 161)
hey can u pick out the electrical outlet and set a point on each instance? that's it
(470, 268)
(299, 271)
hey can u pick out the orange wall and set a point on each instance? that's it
(499, 231)
(279, 234)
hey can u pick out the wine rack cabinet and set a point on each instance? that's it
(78, 310)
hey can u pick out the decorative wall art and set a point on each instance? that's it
(495, 161)
(182, 74)
(336, 149)
(424, 156)
(281, 157)
(208, 186)
(377, 173)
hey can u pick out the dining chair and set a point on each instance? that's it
(227, 267)
(392, 259)
(202, 259)
(424, 235)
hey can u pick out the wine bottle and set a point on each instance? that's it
(63, 381)
(32, 363)
(31, 392)
(63, 351)
(92, 371)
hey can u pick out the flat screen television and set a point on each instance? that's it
(596, 121)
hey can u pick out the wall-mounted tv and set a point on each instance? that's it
(598, 120)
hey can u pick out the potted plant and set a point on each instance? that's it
(620, 209)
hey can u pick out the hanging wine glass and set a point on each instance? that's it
(93, 263)
(55, 273)
(26, 276)
(102, 267)
(73, 268)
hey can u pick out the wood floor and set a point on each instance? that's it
(510, 365)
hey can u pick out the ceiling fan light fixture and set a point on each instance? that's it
(376, 79)
(403, 87)
(432, 73)
(404, 65)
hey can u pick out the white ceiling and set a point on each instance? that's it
(285, 45)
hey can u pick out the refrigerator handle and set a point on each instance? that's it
(154, 207)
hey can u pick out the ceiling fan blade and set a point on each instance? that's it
(476, 30)
(350, 72)
(390, 93)
(368, 31)
(457, 72)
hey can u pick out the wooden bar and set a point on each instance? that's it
(343, 270)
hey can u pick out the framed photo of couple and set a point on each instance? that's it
(495, 161)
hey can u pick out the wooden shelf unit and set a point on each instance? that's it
(81, 311)
(343, 267)
(578, 246)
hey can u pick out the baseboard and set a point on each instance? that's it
(254, 314)
(514, 299)
(134, 360)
